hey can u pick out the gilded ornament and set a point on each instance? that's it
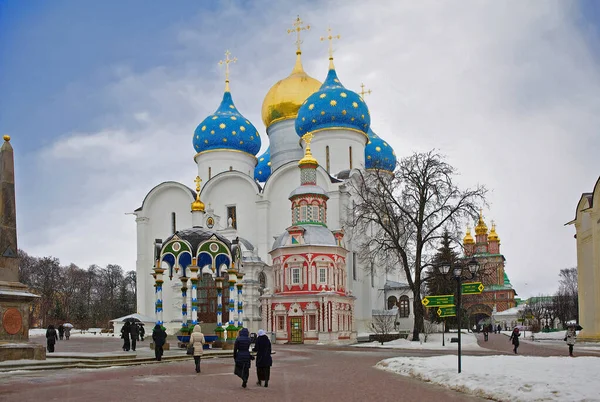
(261, 159)
(377, 149)
(343, 94)
(242, 128)
(212, 131)
(344, 112)
(233, 118)
(251, 137)
(385, 144)
(322, 112)
(222, 125)
(241, 142)
(233, 132)
(354, 105)
(322, 96)
(224, 139)
(215, 117)
(362, 116)
(333, 103)
(268, 163)
(311, 106)
(313, 120)
(206, 141)
(203, 128)
(231, 107)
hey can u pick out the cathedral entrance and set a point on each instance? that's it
(296, 330)
(479, 315)
(207, 300)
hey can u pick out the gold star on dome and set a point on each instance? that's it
(298, 27)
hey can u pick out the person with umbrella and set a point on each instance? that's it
(67, 327)
(134, 329)
(159, 336)
(241, 355)
(571, 337)
(125, 331)
(264, 361)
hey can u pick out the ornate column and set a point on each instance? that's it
(194, 280)
(184, 317)
(240, 303)
(219, 330)
(232, 329)
(158, 274)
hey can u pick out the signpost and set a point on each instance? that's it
(446, 311)
(438, 301)
(472, 288)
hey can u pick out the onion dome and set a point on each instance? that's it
(481, 227)
(493, 236)
(333, 107)
(468, 239)
(379, 154)
(262, 171)
(285, 97)
(197, 205)
(226, 129)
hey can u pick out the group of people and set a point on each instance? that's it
(570, 338)
(241, 353)
(52, 335)
(131, 332)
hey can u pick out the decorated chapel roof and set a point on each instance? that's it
(481, 227)
(379, 154)
(262, 171)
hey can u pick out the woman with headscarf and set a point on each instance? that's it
(51, 338)
(125, 331)
(571, 337)
(262, 347)
(159, 337)
(197, 341)
(242, 357)
(514, 338)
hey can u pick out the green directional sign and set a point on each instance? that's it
(472, 288)
(437, 301)
(446, 311)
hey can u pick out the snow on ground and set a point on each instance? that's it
(434, 342)
(75, 333)
(507, 378)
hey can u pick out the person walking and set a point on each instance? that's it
(142, 332)
(197, 341)
(67, 333)
(51, 338)
(485, 333)
(61, 332)
(242, 357)
(159, 336)
(514, 337)
(264, 361)
(134, 334)
(125, 335)
(570, 338)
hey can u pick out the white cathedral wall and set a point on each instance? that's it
(341, 143)
(154, 222)
(220, 161)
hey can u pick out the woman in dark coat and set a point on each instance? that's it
(51, 338)
(242, 357)
(514, 337)
(159, 336)
(262, 347)
(125, 331)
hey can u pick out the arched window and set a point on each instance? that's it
(392, 302)
(404, 307)
(262, 279)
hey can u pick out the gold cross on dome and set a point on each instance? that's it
(198, 181)
(226, 62)
(330, 37)
(363, 92)
(298, 27)
(308, 138)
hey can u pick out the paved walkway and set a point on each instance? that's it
(501, 343)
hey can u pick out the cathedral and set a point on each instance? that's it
(269, 225)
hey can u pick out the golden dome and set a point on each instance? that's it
(493, 236)
(285, 97)
(468, 239)
(481, 227)
(6, 137)
(198, 205)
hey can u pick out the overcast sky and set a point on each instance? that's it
(102, 98)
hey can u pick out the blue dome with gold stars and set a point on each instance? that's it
(379, 154)
(262, 171)
(333, 107)
(226, 129)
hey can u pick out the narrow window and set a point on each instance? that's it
(372, 275)
(230, 168)
(327, 157)
(280, 323)
(312, 322)
(173, 222)
(303, 213)
(354, 266)
(322, 275)
(209, 173)
(392, 302)
(404, 307)
(350, 156)
(296, 276)
(231, 214)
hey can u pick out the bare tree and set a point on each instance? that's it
(403, 215)
(567, 297)
(383, 324)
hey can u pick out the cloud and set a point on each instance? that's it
(508, 90)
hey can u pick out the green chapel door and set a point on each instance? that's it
(296, 330)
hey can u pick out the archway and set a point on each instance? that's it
(479, 315)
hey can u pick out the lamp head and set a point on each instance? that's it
(445, 268)
(457, 271)
(473, 266)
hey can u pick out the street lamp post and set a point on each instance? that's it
(458, 276)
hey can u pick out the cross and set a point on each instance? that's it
(297, 28)
(198, 181)
(363, 92)
(308, 138)
(330, 38)
(226, 62)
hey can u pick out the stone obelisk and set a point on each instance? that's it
(15, 299)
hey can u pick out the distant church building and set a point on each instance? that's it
(587, 229)
(304, 282)
(498, 294)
